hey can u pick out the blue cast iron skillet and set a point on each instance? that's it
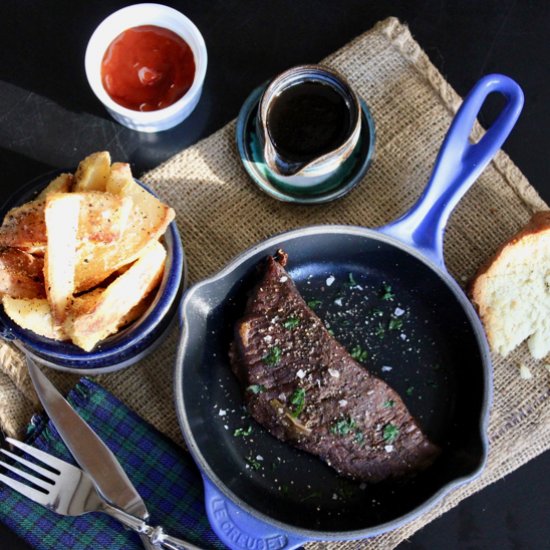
(128, 345)
(261, 493)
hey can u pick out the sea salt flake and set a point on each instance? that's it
(342, 402)
(403, 336)
(259, 457)
(398, 312)
(386, 368)
(334, 496)
(283, 279)
(334, 373)
(222, 412)
(301, 373)
(268, 338)
(388, 448)
(338, 301)
(330, 280)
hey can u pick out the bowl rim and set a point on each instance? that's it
(123, 19)
(118, 353)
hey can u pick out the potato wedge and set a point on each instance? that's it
(33, 314)
(137, 311)
(154, 212)
(99, 313)
(62, 184)
(147, 222)
(103, 218)
(61, 214)
(92, 172)
(21, 274)
(24, 227)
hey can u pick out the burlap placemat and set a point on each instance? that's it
(220, 213)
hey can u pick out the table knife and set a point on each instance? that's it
(97, 460)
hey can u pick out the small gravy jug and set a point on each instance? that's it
(308, 123)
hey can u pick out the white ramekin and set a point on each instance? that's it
(134, 16)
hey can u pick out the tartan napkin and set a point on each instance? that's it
(164, 475)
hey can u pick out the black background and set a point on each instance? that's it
(49, 118)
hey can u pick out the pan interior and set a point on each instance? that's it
(405, 325)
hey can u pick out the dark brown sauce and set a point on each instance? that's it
(308, 120)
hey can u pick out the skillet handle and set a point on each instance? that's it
(237, 529)
(458, 164)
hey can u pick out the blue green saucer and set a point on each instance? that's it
(342, 182)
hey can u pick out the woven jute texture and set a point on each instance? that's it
(220, 213)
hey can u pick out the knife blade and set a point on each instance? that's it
(91, 453)
(97, 460)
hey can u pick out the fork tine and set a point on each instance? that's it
(46, 458)
(26, 491)
(31, 465)
(29, 477)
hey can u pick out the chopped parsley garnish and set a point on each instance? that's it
(298, 399)
(359, 437)
(242, 431)
(390, 433)
(352, 281)
(359, 354)
(253, 463)
(387, 293)
(380, 330)
(395, 324)
(377, 312)
(314, 303)
(389, 404)
(409, 390)
(330, 331)
(256, 388)
(273, 356)
(344, 426)
(291, 322)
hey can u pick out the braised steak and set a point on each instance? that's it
(306, 389)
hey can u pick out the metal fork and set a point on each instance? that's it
(69, 491)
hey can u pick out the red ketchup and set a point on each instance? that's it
(147, 68)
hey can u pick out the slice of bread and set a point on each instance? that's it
(512, 291)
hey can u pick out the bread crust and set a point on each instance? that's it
(502, 263)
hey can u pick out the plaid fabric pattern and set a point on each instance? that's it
(164, 475)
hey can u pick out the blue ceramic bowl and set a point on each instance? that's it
(126, 346)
